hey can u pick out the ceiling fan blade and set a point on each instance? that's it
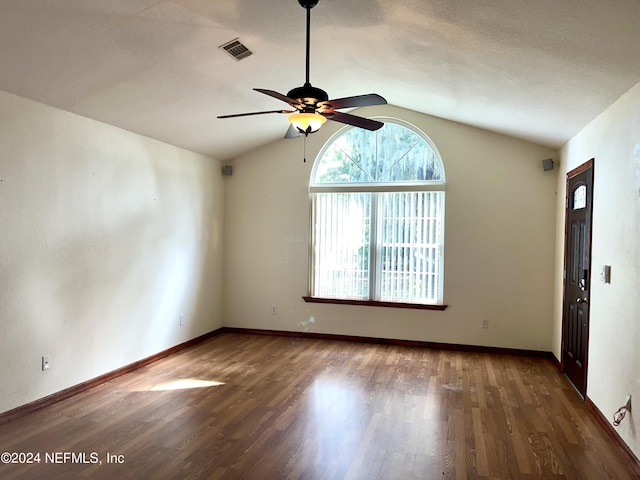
(292, 132)
(354, 120)
(357, 101)
(255, 113)
(294, 103)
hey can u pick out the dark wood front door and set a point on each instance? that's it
(577, 273)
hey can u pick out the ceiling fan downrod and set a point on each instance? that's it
(308, 5)
(309, 95)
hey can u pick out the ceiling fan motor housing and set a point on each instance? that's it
(308, 3)
(308, 95)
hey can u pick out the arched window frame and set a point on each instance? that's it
(376, 189)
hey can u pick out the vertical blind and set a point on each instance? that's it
(342, 242)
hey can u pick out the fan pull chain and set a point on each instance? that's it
(304, 158)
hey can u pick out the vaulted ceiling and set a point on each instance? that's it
(538, 70)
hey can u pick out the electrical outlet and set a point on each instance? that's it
(485, 323)
(274, 309)
(182, 320)
(46, 362)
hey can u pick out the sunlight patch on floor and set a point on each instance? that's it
(181, 384)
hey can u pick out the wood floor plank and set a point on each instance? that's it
(247, 406)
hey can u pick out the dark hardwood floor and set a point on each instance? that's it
(266, 407)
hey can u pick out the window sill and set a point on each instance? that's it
(374, 303)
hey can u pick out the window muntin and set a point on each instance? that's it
(378, 217)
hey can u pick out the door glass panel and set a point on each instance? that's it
(580, 197)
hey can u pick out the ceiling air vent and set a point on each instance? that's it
(236, 49)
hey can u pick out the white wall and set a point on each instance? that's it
(107, 237)
(499, 242)
(613, 139)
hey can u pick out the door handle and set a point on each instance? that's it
(581, 300)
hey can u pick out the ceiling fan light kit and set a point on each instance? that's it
(307, 123)
(312, 107)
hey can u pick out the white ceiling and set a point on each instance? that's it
(538, 70)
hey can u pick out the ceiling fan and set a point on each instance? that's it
(311, 105)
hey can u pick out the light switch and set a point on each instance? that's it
(605, 274)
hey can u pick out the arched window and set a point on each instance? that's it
(377, 203)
